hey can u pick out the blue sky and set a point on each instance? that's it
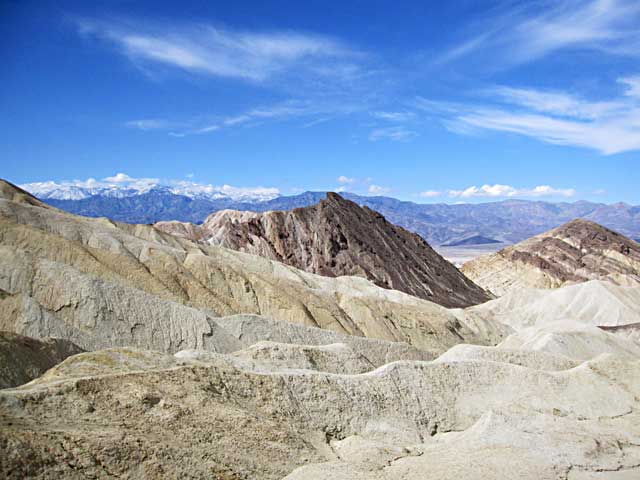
(471, 101)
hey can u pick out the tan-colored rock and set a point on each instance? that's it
(111, 414)
(337, 237)
(572, 253)
(595, 303)
(102, 284)
(209, 363)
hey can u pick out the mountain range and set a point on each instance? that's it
(183, 359)
(508, 221)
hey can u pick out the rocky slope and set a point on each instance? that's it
(23, 358)
(595, 303)
(337, 237)
(310, 413)
(101, 284)
(575, 252)
(184, 380)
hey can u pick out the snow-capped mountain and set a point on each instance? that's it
(123, 186)
(149, 200)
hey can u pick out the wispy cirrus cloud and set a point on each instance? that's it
(396, 134)
(403, 116)
(148, 124)
(283, 111)
(556, 117)
(533, 30)
(322, 76)
(210, 50)
(430, 193)
(508, 191)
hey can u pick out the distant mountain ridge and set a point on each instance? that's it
(472, 240)
(122, 186)
(508, 221)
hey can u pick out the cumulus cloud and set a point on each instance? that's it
(119, 178)
(346, 180)
(353, 184)
(508, 191)
(396, 134)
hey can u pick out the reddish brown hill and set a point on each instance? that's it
(338, 237)
(575, 252)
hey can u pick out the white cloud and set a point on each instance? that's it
(532, 31)
(318, 121)
(342, 179)
(255, 116)
(558, 103)
(430, 194)
(208, 50)
(507, 191)
(121, 184)
(355, 184)
(632, 84)
(148, 124)
(119, 178)
(394, 116)
(378, 190)
(554, 117)
(275, 111)
(396, 134)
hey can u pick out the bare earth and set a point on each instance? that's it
(208, 363)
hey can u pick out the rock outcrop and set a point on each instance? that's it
(24, 358)
(337, 237)
(575, 252)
